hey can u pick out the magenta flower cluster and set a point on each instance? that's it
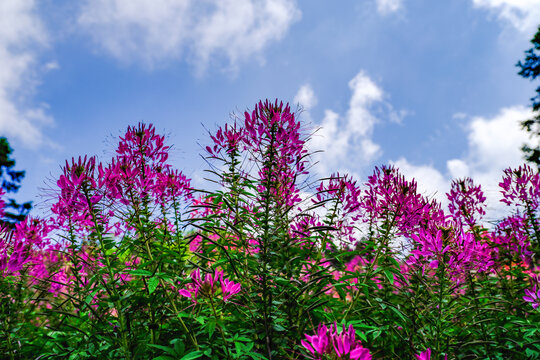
(395, 201)
(467, 201)
(532, 295)
(521, 187)
(340, 196)
(138, 176)
(333, 344)
(461, 253)
(207, 286)
(271, 135)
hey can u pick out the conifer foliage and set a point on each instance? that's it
(530, 69)
(11, 182)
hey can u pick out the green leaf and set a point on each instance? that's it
(179, 346)
(399, 313)
(201, 319)
(166, 349)
(90, 297)
(153, 282)
(239, 348)
(257, 356)
(192, 355)
(139, 272)
(211, 326)
(389, 276)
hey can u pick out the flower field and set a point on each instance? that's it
(270, 263)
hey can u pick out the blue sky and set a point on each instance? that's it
(430, 86)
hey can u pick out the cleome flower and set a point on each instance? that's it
(425, 355)
(329, 342)
(533, 296)
(209, 285)
(467, 201)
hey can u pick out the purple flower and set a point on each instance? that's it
(467, 201)
(390, 198)
(461, 253)
(521, 187)
(318, 343)
(533, 296)
(425, 355)
(208, 285)
(342, 344)
(340, 194)
(229, 288)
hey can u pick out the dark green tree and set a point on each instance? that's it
(530, 69)
(11, 182)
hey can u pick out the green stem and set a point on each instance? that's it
(441, 276)
(382, 245)
(477, 309)
(266, 297)
(162, 284)
(219, 328)
(117, 302)
(8, 337)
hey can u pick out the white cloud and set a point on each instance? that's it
(305, 97)
(385, 7)
(396, 116)
(21, 35)
(53, 65)
(370, 150)
(364, 93)
(157, 31)
(332, 140)
(458, 168)
(522, 14)
(347, 140)
(493, 145)
(459, 116)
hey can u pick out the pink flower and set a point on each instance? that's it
(521, 187)
(229, 289)
(467, 201)
(390, 196)
(342, 191)
(331, 342)
(271, 131)
(426, 355)
(461, 253)
(208, 285)
(13, 254)
(533, 296)
(318, 343)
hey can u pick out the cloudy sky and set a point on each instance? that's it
(430, 86)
